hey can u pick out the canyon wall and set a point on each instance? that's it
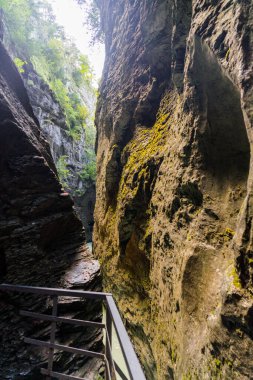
(66, 151)
(173, 217)
(71, 152)
(42, 241)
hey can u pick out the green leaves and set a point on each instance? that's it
(41, 66)
(93, 21)
(85, 69)
(62, 170)
(20, 64)
(89, 172)
(39, 40)
(17, 13)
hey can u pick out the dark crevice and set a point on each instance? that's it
(223, 141)
(182, 16)
(3, 265)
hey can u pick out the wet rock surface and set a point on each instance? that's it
(173, 213)
(42, 241)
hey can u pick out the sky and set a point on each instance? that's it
(70, 15)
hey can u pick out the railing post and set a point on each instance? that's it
(108, 328)
(108, 344)
(52, 337)
(108, 341)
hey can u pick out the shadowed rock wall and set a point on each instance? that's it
(173, 218)
(42, 242)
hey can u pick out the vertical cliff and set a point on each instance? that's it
(42, 241)
(173, 217)
(68, 152)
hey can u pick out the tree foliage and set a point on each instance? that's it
(20, 64)
(62, 169)
(93, 20)
(41, 41)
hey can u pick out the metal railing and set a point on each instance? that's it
(113, 319)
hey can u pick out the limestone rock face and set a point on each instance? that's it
(53, 124)
(42, 241)
(173, 217)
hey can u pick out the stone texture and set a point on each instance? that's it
(42, 241)
(173, 215)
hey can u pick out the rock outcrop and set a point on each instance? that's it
(42, 241)
(53, 124)
(173, 218)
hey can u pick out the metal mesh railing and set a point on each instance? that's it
(112, 319)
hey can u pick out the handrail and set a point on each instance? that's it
(130, 356)
(112, 318)
(53, 291)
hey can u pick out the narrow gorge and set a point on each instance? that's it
(172, 238)
(71, 149)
